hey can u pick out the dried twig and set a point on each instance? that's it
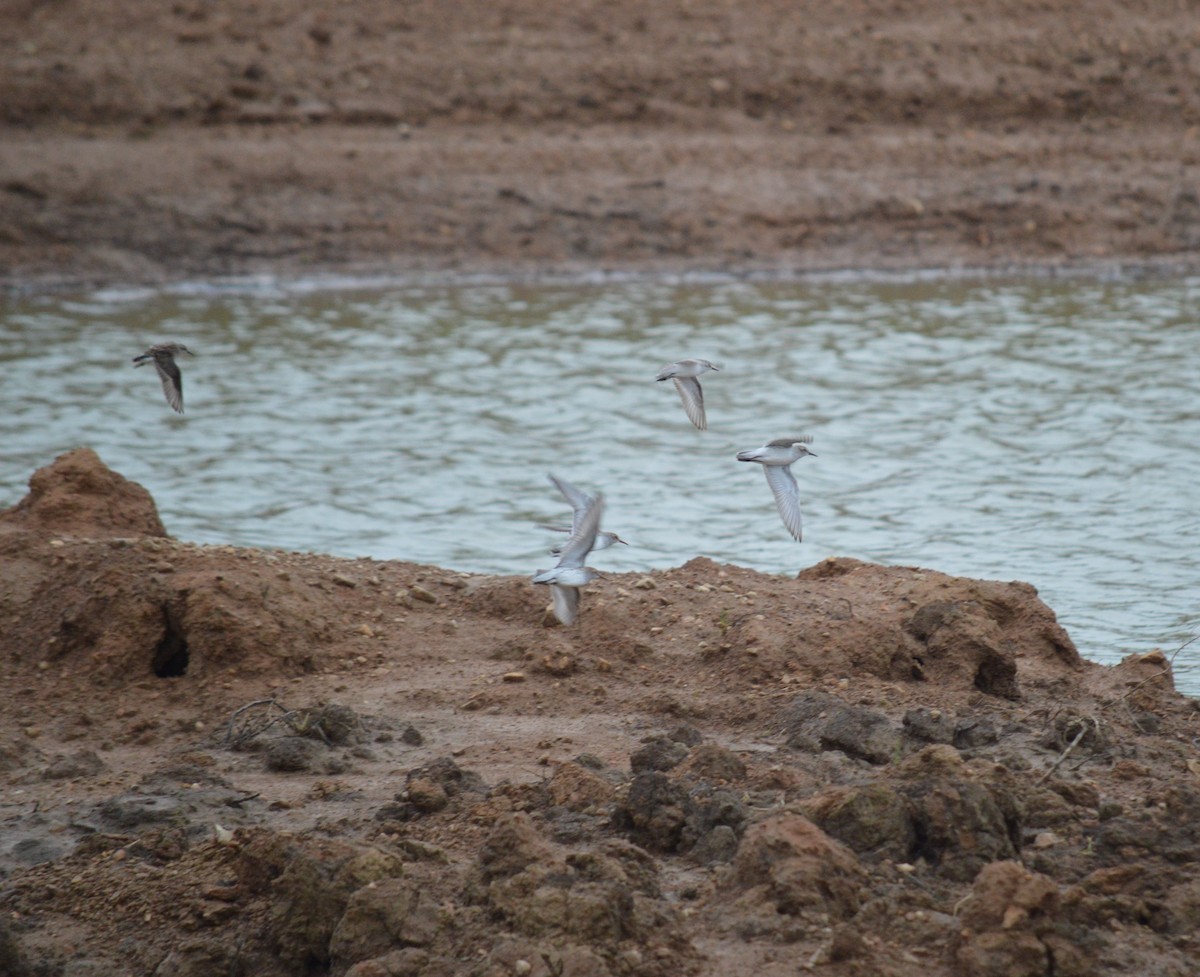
(961, 902)
(849, 609)
(300, 722)
(1070, 746)
(248, 731)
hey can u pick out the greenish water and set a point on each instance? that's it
(1042, 431)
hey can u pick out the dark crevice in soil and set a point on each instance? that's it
(171, 654)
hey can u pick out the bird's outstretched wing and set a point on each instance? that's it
(577, 548)
(787, 496)
(693, 400)
(576, 498)
(566, 603)
(172, 382)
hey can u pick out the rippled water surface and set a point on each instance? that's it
(1047, 432)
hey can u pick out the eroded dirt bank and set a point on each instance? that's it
(240, 762)
(143, 141)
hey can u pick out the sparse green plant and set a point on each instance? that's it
(724, 622)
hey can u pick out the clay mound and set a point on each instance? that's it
(78, 495)
(953, 630)
(843, 617)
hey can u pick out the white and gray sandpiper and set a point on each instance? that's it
(579, 502)
(570, 574)
(684, 375)
(163, 356)
(776, 457)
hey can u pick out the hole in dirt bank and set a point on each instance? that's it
(997, 676)
(922, 846)
(171, 654)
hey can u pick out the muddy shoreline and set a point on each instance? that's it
(114, 211)
(192, 142)
(374, 277)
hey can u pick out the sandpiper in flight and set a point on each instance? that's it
(579, 502)
(684, 374)
(570, 574)
(776, 458)
(163, 356)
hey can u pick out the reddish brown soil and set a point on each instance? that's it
(145, 140)
(224, 761)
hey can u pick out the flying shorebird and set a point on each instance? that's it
(776, 457)
(163, 355)
(579, 502)
(684, 374)
(570, 574)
